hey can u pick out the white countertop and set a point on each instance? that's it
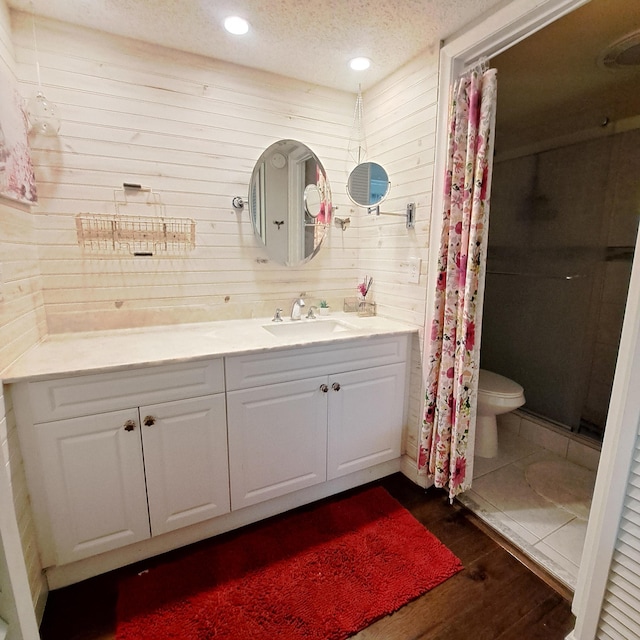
(100, 351)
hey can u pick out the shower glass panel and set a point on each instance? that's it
(562, 230)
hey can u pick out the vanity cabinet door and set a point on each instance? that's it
(185, 453)
(94, 483)
(277, 439)
(366, 417)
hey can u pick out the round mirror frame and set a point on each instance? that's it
(288, 218)
(368, 184)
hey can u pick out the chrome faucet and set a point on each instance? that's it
(296, 308)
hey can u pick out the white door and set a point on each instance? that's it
(185, 453)
(366, 414)
(277, 439)
(94, 483)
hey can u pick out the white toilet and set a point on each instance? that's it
(496, 395)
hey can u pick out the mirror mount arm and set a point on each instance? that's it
(410, 214)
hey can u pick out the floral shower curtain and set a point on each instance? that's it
(452, 342)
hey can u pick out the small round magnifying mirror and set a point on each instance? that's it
(312, 200)
(368, 184)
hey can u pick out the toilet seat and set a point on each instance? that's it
(493, 384)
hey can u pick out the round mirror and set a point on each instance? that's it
(312, 200)
(290, 202)
(368, 184)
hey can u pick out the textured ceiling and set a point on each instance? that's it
(311, 40)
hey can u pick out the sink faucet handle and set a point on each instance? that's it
(296, 307)
(277, 317)
(311, 315)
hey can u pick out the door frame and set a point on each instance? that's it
(488, 37)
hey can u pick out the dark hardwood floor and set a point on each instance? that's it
(495, 597)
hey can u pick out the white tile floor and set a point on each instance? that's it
(550, 532)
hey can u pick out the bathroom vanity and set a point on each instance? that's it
(137, 442)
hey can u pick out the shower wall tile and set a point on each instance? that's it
(597, 400)
(610, 323)
(604, 362)
(626, 187)
(583, 455)
(536, 433)
(616, 281)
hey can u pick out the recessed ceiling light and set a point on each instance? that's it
(360, 64)
(236, 25)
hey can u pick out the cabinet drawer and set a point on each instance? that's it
(258, 369)
(97, 393)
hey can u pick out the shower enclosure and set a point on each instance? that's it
(562, 232)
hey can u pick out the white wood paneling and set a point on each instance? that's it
(400, 126)
(22, 324)
(192, 129)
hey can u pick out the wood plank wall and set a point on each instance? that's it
(22, 324)
(192, 129)
(22, 321)
(400, 123)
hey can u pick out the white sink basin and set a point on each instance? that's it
(306, 328)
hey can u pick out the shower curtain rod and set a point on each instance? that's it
(481, 65)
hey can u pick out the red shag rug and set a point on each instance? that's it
(322, 572)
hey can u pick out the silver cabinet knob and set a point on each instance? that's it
(335, 386)
(324, 388)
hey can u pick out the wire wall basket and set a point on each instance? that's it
(138, 235)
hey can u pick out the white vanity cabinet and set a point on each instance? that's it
(290, 428)
(112, 459)
(126, 464)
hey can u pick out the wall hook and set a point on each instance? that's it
(238, 203)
